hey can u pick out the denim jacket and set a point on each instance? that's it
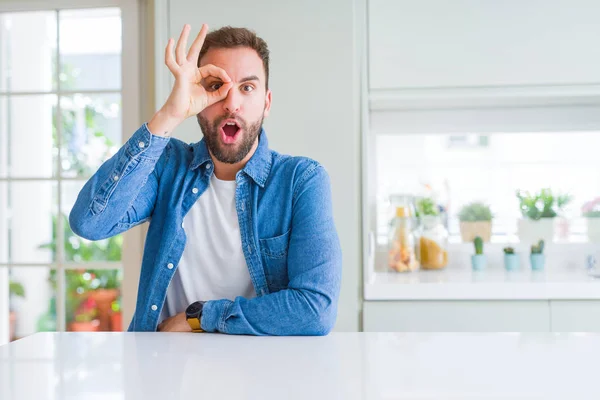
(286, 222)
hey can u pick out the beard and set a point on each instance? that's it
(229, 153)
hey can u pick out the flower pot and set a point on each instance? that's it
(12, 326)
(511, 262)
(593, 229)
(88, 326)
(104, 299)
(116, 322)
(537, 261)
(470, 230)
(478, 261)
(531, 231)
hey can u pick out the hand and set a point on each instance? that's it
(188, 96)
(177, 323)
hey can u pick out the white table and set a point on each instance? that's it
(339, 366)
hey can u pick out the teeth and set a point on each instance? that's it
(230, 123)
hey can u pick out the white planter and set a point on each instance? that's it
(593, 229)
(531, 232)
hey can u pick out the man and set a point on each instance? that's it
(241, 238)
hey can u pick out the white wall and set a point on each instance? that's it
(314, 78)
(474, 43)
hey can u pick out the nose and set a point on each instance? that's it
(232, 102)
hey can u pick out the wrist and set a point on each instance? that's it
(163, 124)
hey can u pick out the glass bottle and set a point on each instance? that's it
(402, 256)
(433, 242)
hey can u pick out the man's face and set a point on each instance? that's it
(231, 126)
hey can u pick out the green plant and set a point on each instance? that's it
(426, 206)
(478, 242)
(541, 205)
(537, 248)
(16, 289)
(509, 250)
(475, 212)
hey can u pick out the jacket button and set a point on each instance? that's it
(142, 145)
(195, 190)
(170, 265)
(154, 307)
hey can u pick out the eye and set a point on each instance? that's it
(247, 88)
(214, 86)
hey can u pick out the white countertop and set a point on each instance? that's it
(491, 284)
(339, 366)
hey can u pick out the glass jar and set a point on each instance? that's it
(402, 255)
(433, 242)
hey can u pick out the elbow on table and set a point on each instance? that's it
(322, 323)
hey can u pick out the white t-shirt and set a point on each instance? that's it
(212, 266)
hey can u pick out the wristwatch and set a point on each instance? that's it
(193, 315)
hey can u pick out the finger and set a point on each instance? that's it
(169, 60)
(196, 47)
(212, 70)
(219, 94)
(182, 44)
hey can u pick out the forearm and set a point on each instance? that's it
(284, 313)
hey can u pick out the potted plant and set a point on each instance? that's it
(16, 289)
(537, 256)
(478, 260)
(538, 212)
(475, 220)
(104, 291)
(511, 259)
(591, 212)
(100, 285)
(116, 317)
(85, 318)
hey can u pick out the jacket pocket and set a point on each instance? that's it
(274, 253)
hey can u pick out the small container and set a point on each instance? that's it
(537, 261)
(511, 262)
(401, 253)
(433, 242)
(478, 262)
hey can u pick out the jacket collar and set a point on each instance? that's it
(258, 167)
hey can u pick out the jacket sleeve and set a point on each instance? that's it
(308, 306)
(122, 193)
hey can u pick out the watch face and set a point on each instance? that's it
(194, 308)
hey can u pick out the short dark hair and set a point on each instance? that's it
(229, 37)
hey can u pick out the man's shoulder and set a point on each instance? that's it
(294, 169)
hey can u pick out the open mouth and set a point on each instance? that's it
(230, 131)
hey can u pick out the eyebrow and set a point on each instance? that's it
(250, 78)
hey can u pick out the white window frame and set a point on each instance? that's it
(131, 119)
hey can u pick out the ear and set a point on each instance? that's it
(268, 99)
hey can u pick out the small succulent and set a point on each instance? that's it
(537, 248)
(478, 242)
(509, 250)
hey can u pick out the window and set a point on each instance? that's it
(462, 153)
(60, 118)
(459, 171)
